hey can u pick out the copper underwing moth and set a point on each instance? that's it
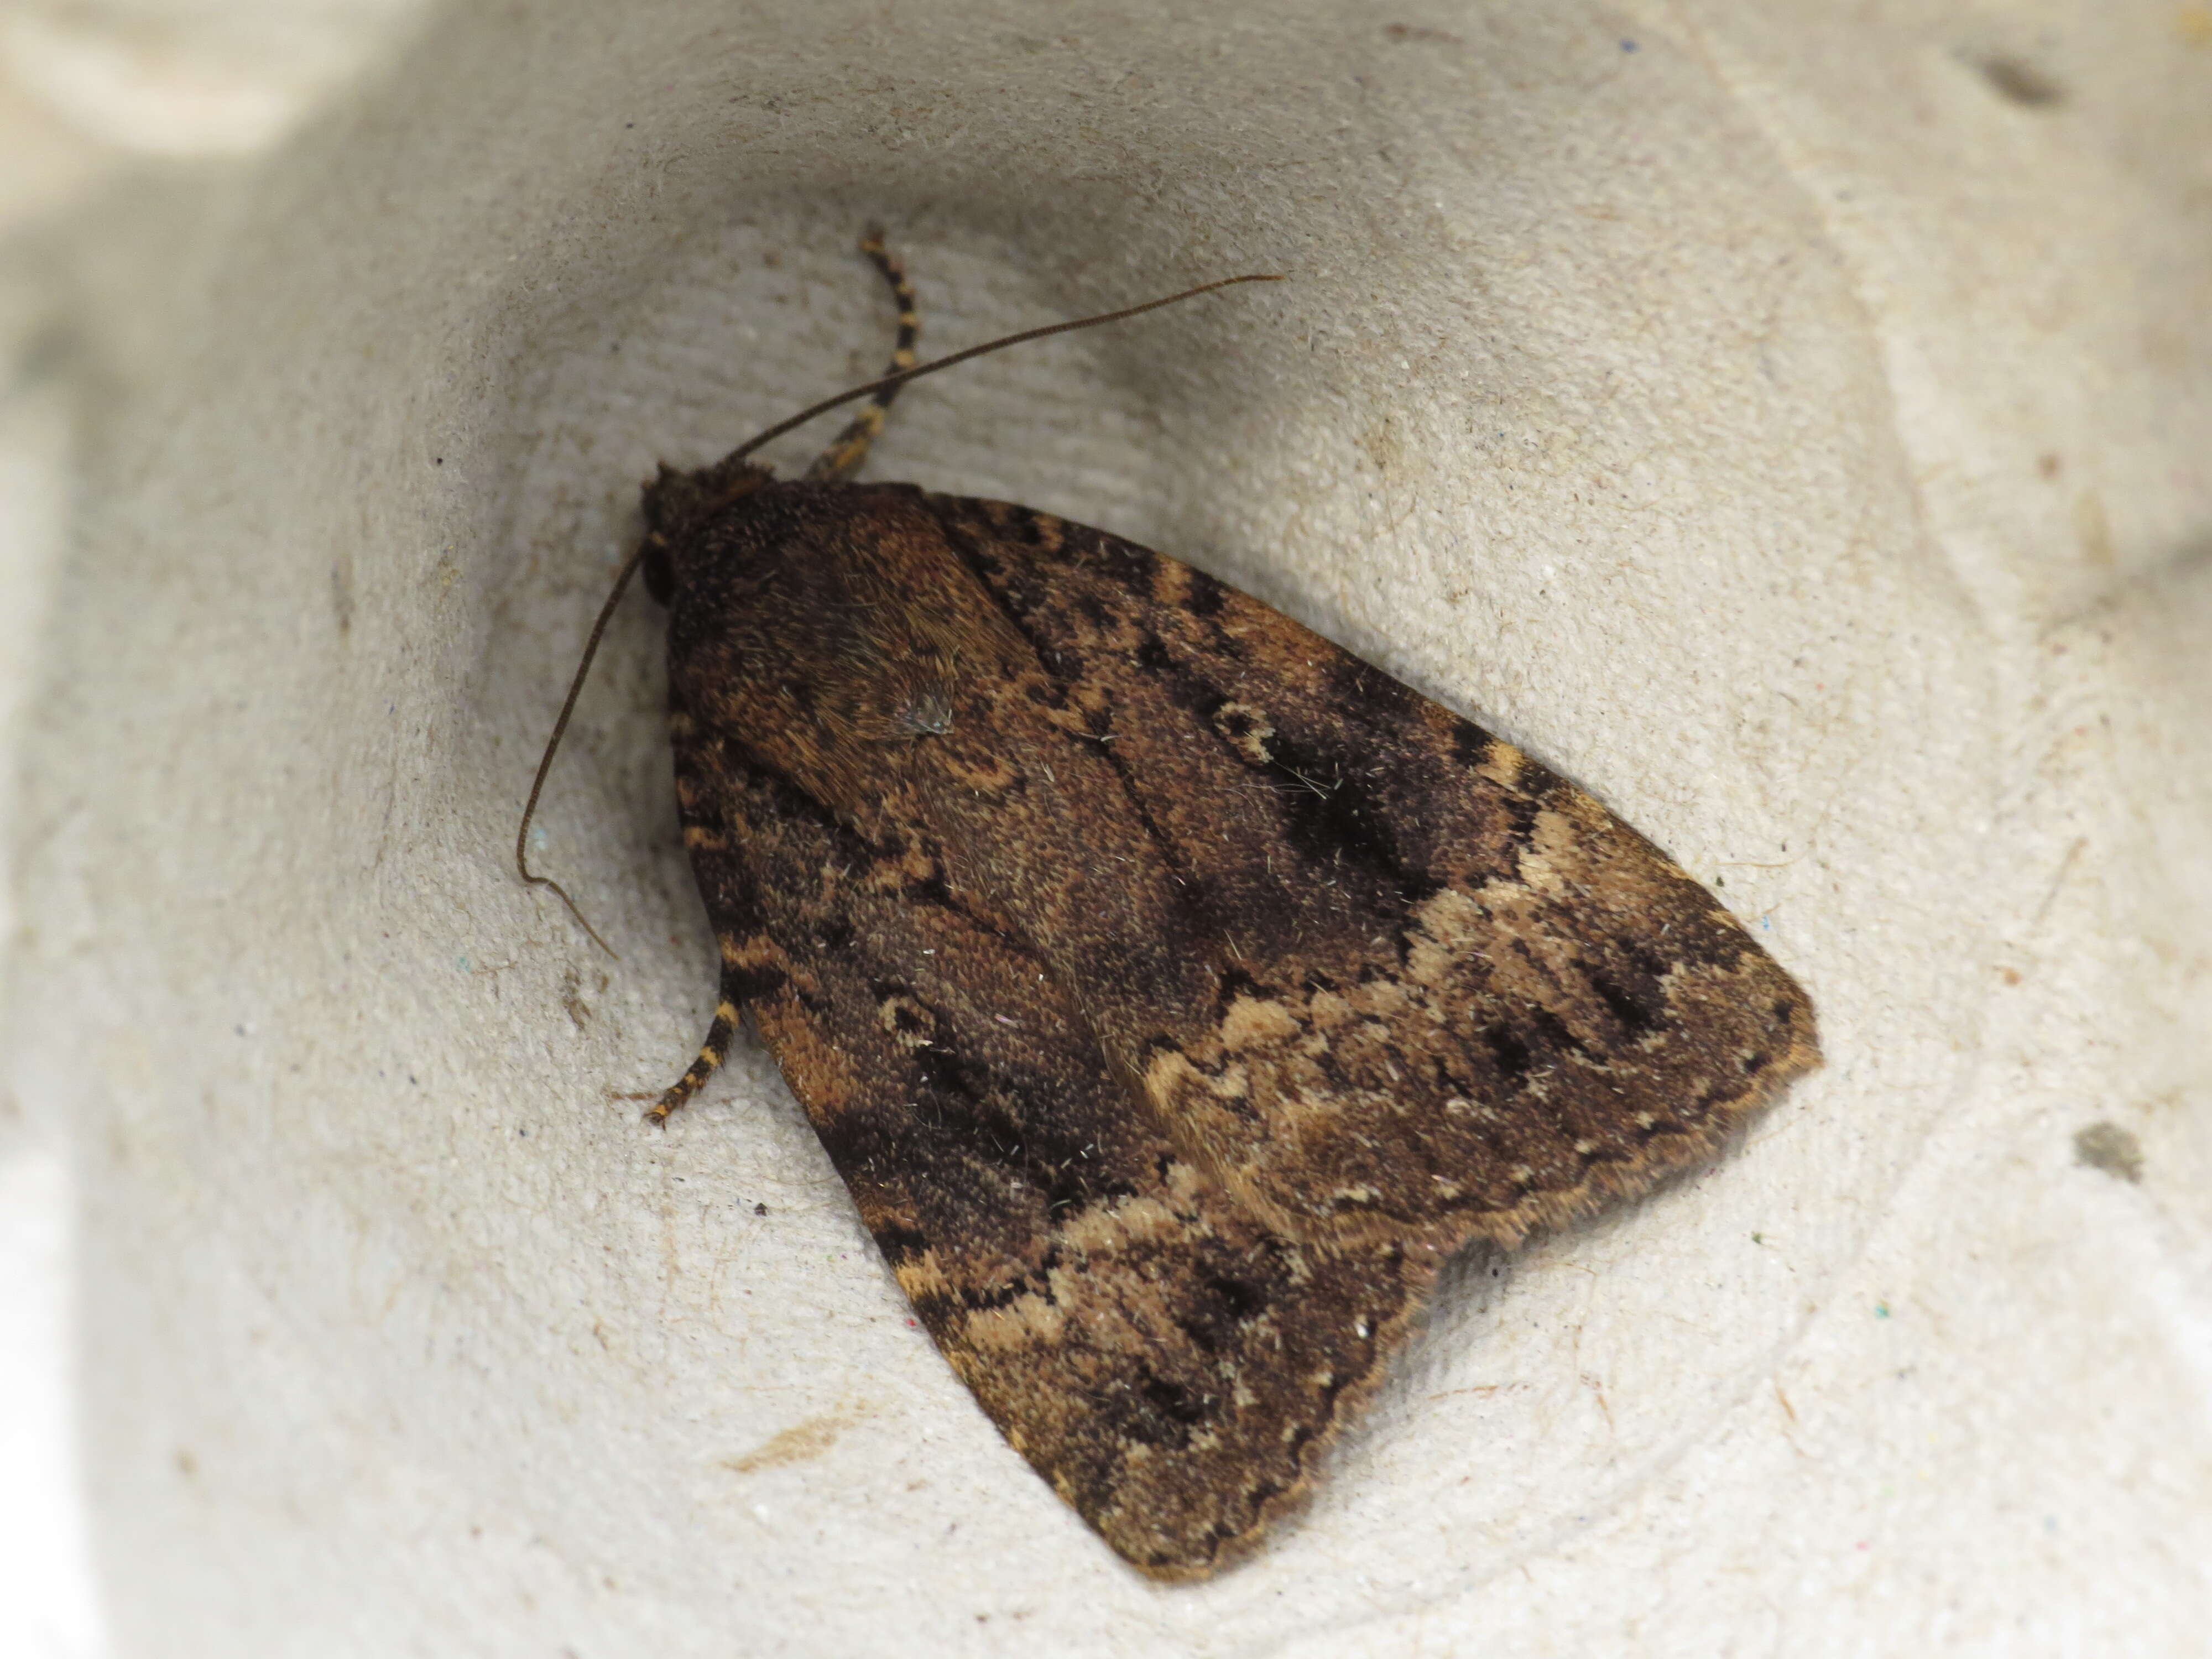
(1174, 992)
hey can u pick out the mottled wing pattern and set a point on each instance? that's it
(1465, 997)
(1172, 989)
(1172, 1366)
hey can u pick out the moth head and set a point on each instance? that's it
(678, 504)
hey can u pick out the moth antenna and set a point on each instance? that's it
(891, 382)
(849, 450)
(553, 743)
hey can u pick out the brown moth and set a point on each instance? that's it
(1174, 991)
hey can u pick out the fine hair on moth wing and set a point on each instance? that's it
(1174, 992)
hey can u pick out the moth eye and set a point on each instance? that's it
(660, 574)
(910, 1024)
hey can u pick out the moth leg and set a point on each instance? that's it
(710, 1060)
(844, 456)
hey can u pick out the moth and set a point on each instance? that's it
(1174, 991)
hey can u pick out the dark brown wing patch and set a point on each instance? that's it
(1470, 999)
(1172, 1368)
